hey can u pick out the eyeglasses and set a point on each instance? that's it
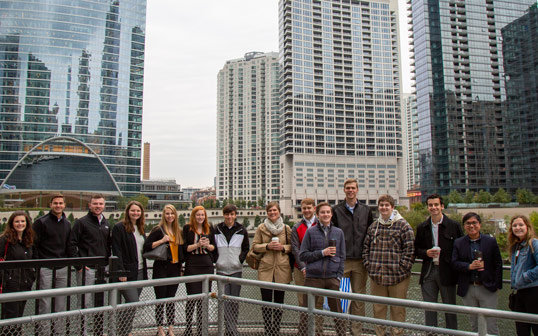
(471, 223)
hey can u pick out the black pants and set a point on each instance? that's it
(165, 269)
(526, 302)
(191, 305)
(272, 316)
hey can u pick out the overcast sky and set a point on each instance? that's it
(187, 43)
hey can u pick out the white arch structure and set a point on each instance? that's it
(65, 138)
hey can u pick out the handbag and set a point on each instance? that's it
(158, 253)
(512, 300)
(253, 258)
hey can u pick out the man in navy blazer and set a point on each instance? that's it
(477, 259)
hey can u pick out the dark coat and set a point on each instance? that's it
(354, 226)
(449, 231)
(124, 247)
(89, 238)
(16, 280)
(491, 276)
(199, 260)
(52, 236)
(157, 234)
(320, 266)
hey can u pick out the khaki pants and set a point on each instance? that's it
(334, 305)
(356, 272)
(397, 313)
(298, 278)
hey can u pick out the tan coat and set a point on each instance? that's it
(274, 265)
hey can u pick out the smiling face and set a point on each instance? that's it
(308, 211)
(200, 217)
(435, 208)
(229, 218)
(472, 227)
(273, 213)
(351, 189)
(325, 215)
(57, 206)
(385, 209)
(169, 216)
(519, 229)
(97, 205)
(19, 224)
(134, 213)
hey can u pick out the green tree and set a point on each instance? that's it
(71, 218)
(261, 201)
(121, 202)
(455, 197)
(249, 204)
(111, 220)
(288, 221)
(418, 207)
(416, 215)
(217, 204)
(181, 220)
(193, 203)
(246, 222)
(143, 199)
(501, 196)
(482, 197)
(257, 220)
(41, 213)
(224, 203)
(525, 196)
(533, 217)
(468, 198)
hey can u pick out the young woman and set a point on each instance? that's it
(127, 244)
(523, 247)
(16, 243)
(200, 254)
(273, 239)
(168, 231)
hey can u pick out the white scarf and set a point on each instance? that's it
(276, 227)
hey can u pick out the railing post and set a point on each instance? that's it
(221, 306)
(113, 299)
(311, 326)
(482, 325)
(205, 307)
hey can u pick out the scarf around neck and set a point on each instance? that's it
(276, 227)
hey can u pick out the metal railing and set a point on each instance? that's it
(250, 308)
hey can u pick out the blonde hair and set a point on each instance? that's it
(177, 232)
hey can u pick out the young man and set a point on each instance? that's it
(323, 251)
(354, 219)
(52, 237)
(297, 234)
(477, 260)
(435, 239)
(232, 244)
(91, 237)
(388, 255)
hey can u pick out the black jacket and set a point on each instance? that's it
(16, 280)
(124, 247)
(449, 231)
(492, 275)
(193, 259)
(354, 226)
(89, 238)
(157, 234)
(52, 236)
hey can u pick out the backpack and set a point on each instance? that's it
(253, 258)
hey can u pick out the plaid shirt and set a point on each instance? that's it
(389, 251)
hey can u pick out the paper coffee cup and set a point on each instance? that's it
(275, 239)
(436, 259)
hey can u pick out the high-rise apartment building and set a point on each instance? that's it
(410, 116)
(458, 61)
(520, 51)
(340, 100)
(71, 80)
(248, 129)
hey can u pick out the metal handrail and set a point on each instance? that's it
(114, 288)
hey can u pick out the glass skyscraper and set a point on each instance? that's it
(340, 100)
(520, 50)
(460, 89)
(71, 74)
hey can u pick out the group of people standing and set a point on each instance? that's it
(329, 243)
